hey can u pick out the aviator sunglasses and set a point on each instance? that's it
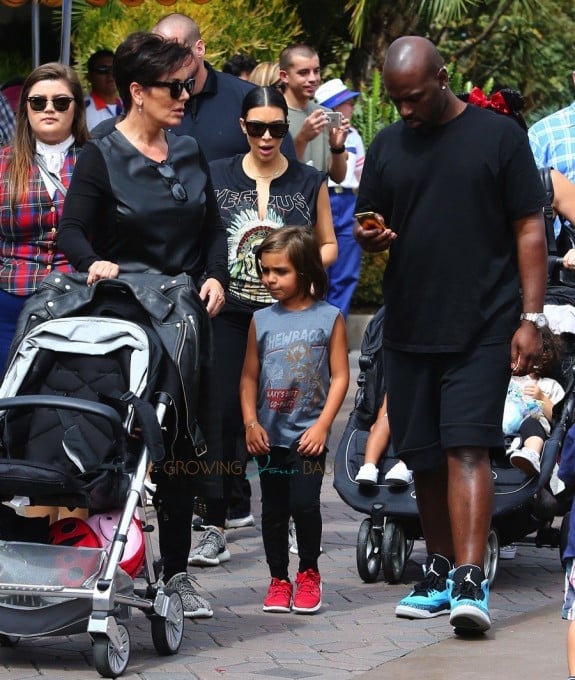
(176, 87)
(256, 128)
(38, 102)
(176, 187)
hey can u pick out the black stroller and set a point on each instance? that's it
(522, 505)
(80, 411)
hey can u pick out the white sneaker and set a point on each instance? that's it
(239, 522)
(399, 474)
(507, 552)
(367, 474)
(292, 539)
(211, 550)
(527, 461)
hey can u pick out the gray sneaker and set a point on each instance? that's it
(195, 606)
(211, 549)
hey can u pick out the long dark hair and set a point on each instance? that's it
(24, 145)
(302, 251)
(264, 96)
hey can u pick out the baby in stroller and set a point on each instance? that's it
(529, 406)
(375, 447)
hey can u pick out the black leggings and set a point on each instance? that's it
(174, 505)
(291, 486)
(531, 427)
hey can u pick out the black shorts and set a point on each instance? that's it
(438, 402)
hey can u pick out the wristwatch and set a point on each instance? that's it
(537, 318)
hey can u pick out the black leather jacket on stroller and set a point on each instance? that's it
(171, 306)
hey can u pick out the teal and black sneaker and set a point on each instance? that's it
(469, 597)
(428, 598)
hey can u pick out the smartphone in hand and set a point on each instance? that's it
(370, 220)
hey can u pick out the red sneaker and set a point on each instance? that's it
(307, 598)
(279, 595)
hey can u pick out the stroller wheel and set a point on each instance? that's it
(168, 631)
(491, 557)
(395, 549)
(109, 660)
(368, 551)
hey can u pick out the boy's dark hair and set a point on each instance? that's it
(300, 49)
(550, 360)
(238, 64)
(303, 252)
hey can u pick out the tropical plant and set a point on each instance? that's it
(227, 26)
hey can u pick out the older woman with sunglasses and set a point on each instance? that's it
(141, 200)
(34, 174)
(257, 192)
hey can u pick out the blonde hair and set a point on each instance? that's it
(266, 73)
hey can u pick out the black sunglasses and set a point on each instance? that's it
(176, 86)
(38, 102)
(102, 70)
(176, 187)
(256, 128)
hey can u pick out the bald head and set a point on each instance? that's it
(417, 83)
(412, 55)
(178, 27)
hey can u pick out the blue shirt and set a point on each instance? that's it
(552, 141)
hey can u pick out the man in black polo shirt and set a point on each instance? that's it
(213, 110)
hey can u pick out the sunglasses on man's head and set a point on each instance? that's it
(38, 102)
(177, 189)
(102, 70)
(176, 86)
(256, 128)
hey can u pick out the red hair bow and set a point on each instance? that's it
(496, 101)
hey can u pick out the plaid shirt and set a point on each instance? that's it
(28, 235)
(7, 121)
(552, 141)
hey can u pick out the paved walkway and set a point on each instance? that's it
(354, 635)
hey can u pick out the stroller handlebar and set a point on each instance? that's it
(69, 403)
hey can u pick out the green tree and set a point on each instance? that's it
(228, 26)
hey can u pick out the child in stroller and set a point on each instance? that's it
(524, 505)
(529, 406)
(377, 443)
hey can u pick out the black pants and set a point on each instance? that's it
(174, 505)
(231, 327)
(291, 486)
